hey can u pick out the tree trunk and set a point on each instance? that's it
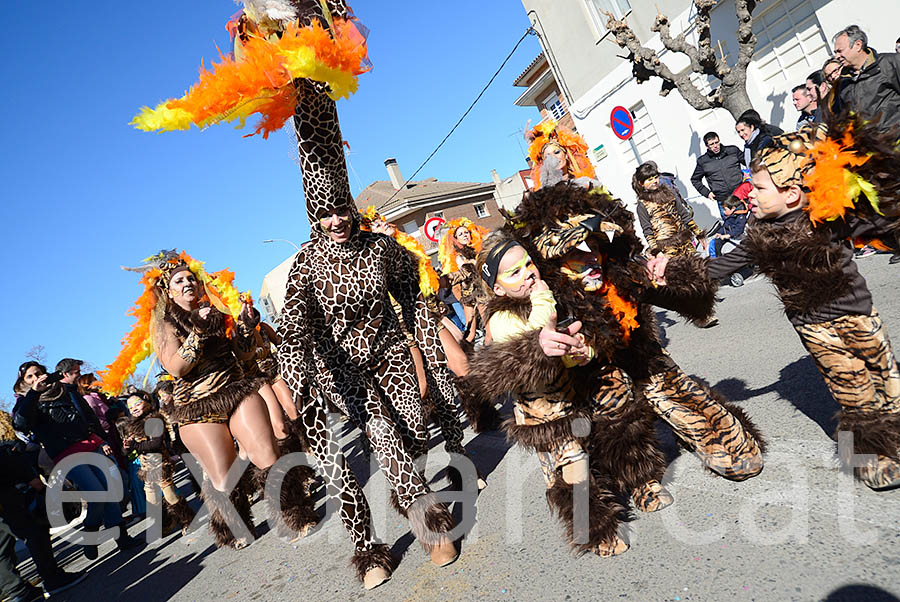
(737, 102)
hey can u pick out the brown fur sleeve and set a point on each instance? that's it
(517, 365)
(688, 291)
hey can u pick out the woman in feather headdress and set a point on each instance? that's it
(458, 249)
(184, 318)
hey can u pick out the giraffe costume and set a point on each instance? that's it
(280, 47)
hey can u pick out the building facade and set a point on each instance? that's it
(410, 204)
(793, 40)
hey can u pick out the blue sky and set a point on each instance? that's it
(84, 193)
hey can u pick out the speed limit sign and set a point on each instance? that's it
(431, 227)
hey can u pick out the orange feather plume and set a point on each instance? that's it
(829, 196)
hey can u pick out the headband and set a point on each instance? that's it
(491, 267)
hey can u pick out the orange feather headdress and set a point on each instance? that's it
(149, 308)
(550, 133)
(447, 250)
(258, 78)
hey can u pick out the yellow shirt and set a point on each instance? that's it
(506, 325)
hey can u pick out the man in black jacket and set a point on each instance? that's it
(872, 88)
(721, 166)
(64, 424)
(20, 489)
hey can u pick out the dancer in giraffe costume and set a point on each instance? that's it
(292, 59)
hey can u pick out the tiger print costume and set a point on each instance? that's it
(810, 262)
(619, 322)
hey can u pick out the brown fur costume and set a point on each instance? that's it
(582, 405)
(552, 210)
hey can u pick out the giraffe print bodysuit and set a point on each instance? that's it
(341, 341)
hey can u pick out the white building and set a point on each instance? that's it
(794, 39)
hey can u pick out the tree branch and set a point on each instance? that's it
(647, 63)
(746, 39)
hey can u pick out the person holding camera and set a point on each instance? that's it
(64, 424)
(21, 502)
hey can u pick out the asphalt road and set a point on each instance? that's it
(800, 531)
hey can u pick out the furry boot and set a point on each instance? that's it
(876, 434)
(430, 521)
(179, 514)
(296, 442)
(291, 511)
(240, 498)
(605, 513)
(368, 562)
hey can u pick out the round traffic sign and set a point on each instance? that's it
(431, 227)
(621, 122)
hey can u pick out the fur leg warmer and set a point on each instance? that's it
(378, 556)
(290, 510)
(429, 520)
(876, 434)
(625, 447)
(215, 502)
(180, 515)
(604, 513)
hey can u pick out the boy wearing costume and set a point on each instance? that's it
(809, 197)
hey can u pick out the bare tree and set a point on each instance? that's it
(731, 94)
(38, 354)
(5, 405)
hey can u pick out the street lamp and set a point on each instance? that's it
(282, 240)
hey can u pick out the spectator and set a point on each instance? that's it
(64, 424)
(721, 166)
(804, 103)
(897, 45)
(817, 89)
(23, 515)
(767, 128)
(88, 387)
(750, 128)
(872, 86)
(870, 89)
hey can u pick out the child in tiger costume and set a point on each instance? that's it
(809, 197)
(572, 427)
(146, 434)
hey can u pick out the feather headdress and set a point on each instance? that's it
(148, 309)
(849, 161)
(259, 77)
(550, 133)
(447, 250)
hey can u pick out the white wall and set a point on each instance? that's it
(680, 127)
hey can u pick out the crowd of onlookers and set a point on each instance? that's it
(856, 79)
(57, 415)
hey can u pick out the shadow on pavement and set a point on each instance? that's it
(858, 591)
(799, 383)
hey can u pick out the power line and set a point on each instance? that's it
(528, 32)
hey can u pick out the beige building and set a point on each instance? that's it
(410, 205)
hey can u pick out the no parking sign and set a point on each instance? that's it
(621, 122)
(431, 227)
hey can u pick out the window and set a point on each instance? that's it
(481, 211)
(790, 43)
(411, 227)
(554, 106)
(644, 143)
(597, 9)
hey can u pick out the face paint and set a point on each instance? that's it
(517, 272)
(587, 269)
(135, 406)
(651, 183)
